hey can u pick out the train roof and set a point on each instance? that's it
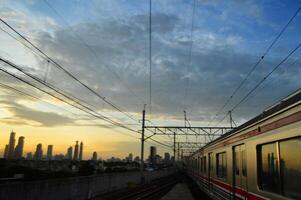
(274, 108)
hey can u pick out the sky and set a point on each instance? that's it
(105, 44)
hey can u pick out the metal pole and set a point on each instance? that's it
(178, 151)
(185, 119)
(230, 114)
(174, 145)
(142, 147)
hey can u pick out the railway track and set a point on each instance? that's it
(152, 191)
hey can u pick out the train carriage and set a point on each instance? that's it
(258, 160)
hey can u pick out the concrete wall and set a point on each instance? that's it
(76, 188)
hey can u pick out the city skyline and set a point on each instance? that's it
(48, 151)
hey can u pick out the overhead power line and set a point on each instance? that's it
(66, 71)
(266, 77)
(150, 57)
(190, 51)
(261, 81)
(78, 105)
(91, 50)
(257, 63)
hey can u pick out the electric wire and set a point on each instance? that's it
(91, 112)
(150, 57)
(261, 81)
(257, 63)
(66, 71)
(190, 52)
(62, 100)
(92, 51)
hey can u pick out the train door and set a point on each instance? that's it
(210, 170)
(240, 172)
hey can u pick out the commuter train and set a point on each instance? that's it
(261, 159)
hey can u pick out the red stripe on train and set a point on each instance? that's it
(229, 188)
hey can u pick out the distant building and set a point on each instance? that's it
(29, 156)
(81, 148)
(69, 153)
(59, 157)
(39, 152)
(166, 157)
(11, 145)
(49, 152)
(18, 153)
(94, 156)
(153, 153)
(75, 157)
(130, 157)
(5, 151)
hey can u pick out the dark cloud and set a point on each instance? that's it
(121, 47)
(111, 55)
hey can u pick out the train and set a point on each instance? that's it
(260, 159)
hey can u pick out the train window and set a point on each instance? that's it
(202, 165)
(205, 167)
(236, 157)
(290, 167)
(221, 163)
(268, 168)
(244, 162)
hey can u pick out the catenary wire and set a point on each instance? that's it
(257, 63)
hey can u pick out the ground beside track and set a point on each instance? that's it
(187, 189)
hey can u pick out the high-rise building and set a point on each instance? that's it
(29, 156)
(49, 152)
(69, 153)
(18, 153)
(76, 151)
(39, 152)
(153, 153)
(11, 145)
(5, 151)
(94, 156)
(81, 148)
(130, 158)
(166, 157)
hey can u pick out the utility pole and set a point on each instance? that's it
(174, 146)
(185, 119)
(230, 115)
(178, 151)
(142, 147)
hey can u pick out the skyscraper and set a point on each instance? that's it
(5, 151)
(29, 156)
(49, 152)
(94, 156)
(11, 145)
(130, 158)
(76, 151)
(19, 148)
(153, 153)
(69, 153)
(81, 148)
(166, 157)
(39, 152)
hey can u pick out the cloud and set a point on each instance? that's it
(23, 115)
(110, 54)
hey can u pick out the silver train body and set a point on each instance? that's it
(261, 159)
